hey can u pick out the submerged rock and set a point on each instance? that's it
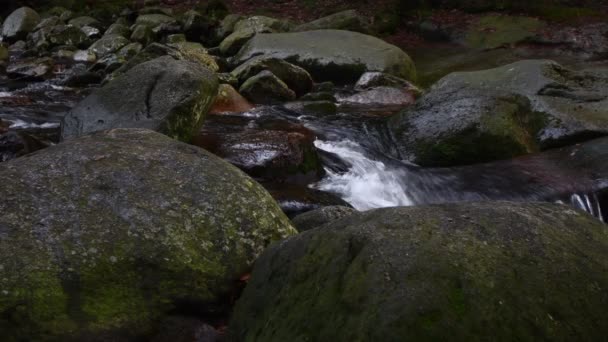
(164, 94)
(527, 106)
(107, 234)
(19, 23)
(467, 271)
(331, 55)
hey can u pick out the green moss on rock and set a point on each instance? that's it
(500, 271)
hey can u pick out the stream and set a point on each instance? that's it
(362, 166)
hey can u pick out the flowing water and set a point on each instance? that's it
(362, 165)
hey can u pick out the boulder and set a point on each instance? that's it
(142, 34)
(164, 94)
(86, 21)
(527, 106)
(154, 20)
(270, 150)
(226, 26)
(349, 20)
(244, 29)
(119, 29)
(461, 272)
(188, 51)
(296, 78)
(108, 44)
(129, 51)
(91, 32)
(105, 235)
(331, 55)
(320, 217)
(67, 35)
(19, 23)
(266, 88)
(195, 26)
(379, 79)
(229, 100)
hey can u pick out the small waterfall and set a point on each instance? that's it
(368, 183)
(589, 203)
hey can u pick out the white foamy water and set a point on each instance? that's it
(589, 204)
(367, 184)
(22, 124)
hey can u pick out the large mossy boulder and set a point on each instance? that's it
(461, 272)
(19, 23)
(527, 106)
(164, 94)
(331, 55)
(106, 234)
(349, 20)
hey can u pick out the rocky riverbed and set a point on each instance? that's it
(158, 161)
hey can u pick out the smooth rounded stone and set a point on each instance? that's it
(381, 96)
(66, 16)
(134, 225)
(246, 28)
(229, 100)
(34, 70)
(463, 271)
(266, 88)
(164, 94)
(129, 51)
(175, 38)
(143, 34)
(296, 78)
(527, 106)
(64, 53)
(91, 32)
(85, 56)
(85, 21)
(154, 20)
(64, 35)
(226, 26)
(108, 44)
(494, 31)
(271, 150)
(19, 23)
(379, 79)
(188, 51)
(119, 29)
(320, 217)
(331, 55)
(48, 23)
(349, 20)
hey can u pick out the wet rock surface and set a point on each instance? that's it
(431, 273)
(166, 95)
(77, 217)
